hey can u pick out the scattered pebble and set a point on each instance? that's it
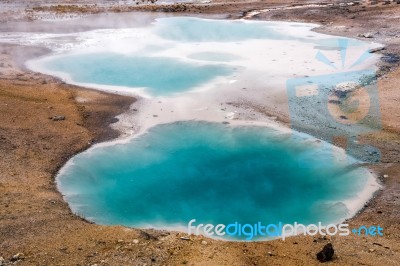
(204, 242)
(18, 256)
(390, 58)
(1, 261)
(135, 241)
(374, 50)
(367, 35)
(327, 237)
(58, 118)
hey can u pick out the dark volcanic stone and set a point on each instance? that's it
(390, 58)
(58, 118)
(334, 101)
(326, 253)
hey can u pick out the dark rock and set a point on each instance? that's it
(367, 35)
(341, 94)
(17, 257)
(334, 101)
(147, 236)
(390, 58)
(114, 120)
(58, 118)
(374, 50)
(326, 253)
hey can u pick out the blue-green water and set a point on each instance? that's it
(160, 75)
(207, 30)
(191, 29)
(210, 172)
(206, 49)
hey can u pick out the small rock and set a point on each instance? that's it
(204, 242)
(327, 237)
(385, 176)
(371, 250)
(270, 253)
(1, 261)
(120, 241)
(147, 236)
(135, 241)
(58, 118)
(390, 58)
(335, 101)
(185, 238)
(374, 50)
(326, 253)
(18, 256)
(367, 35)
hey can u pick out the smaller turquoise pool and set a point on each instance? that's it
(159, 75)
